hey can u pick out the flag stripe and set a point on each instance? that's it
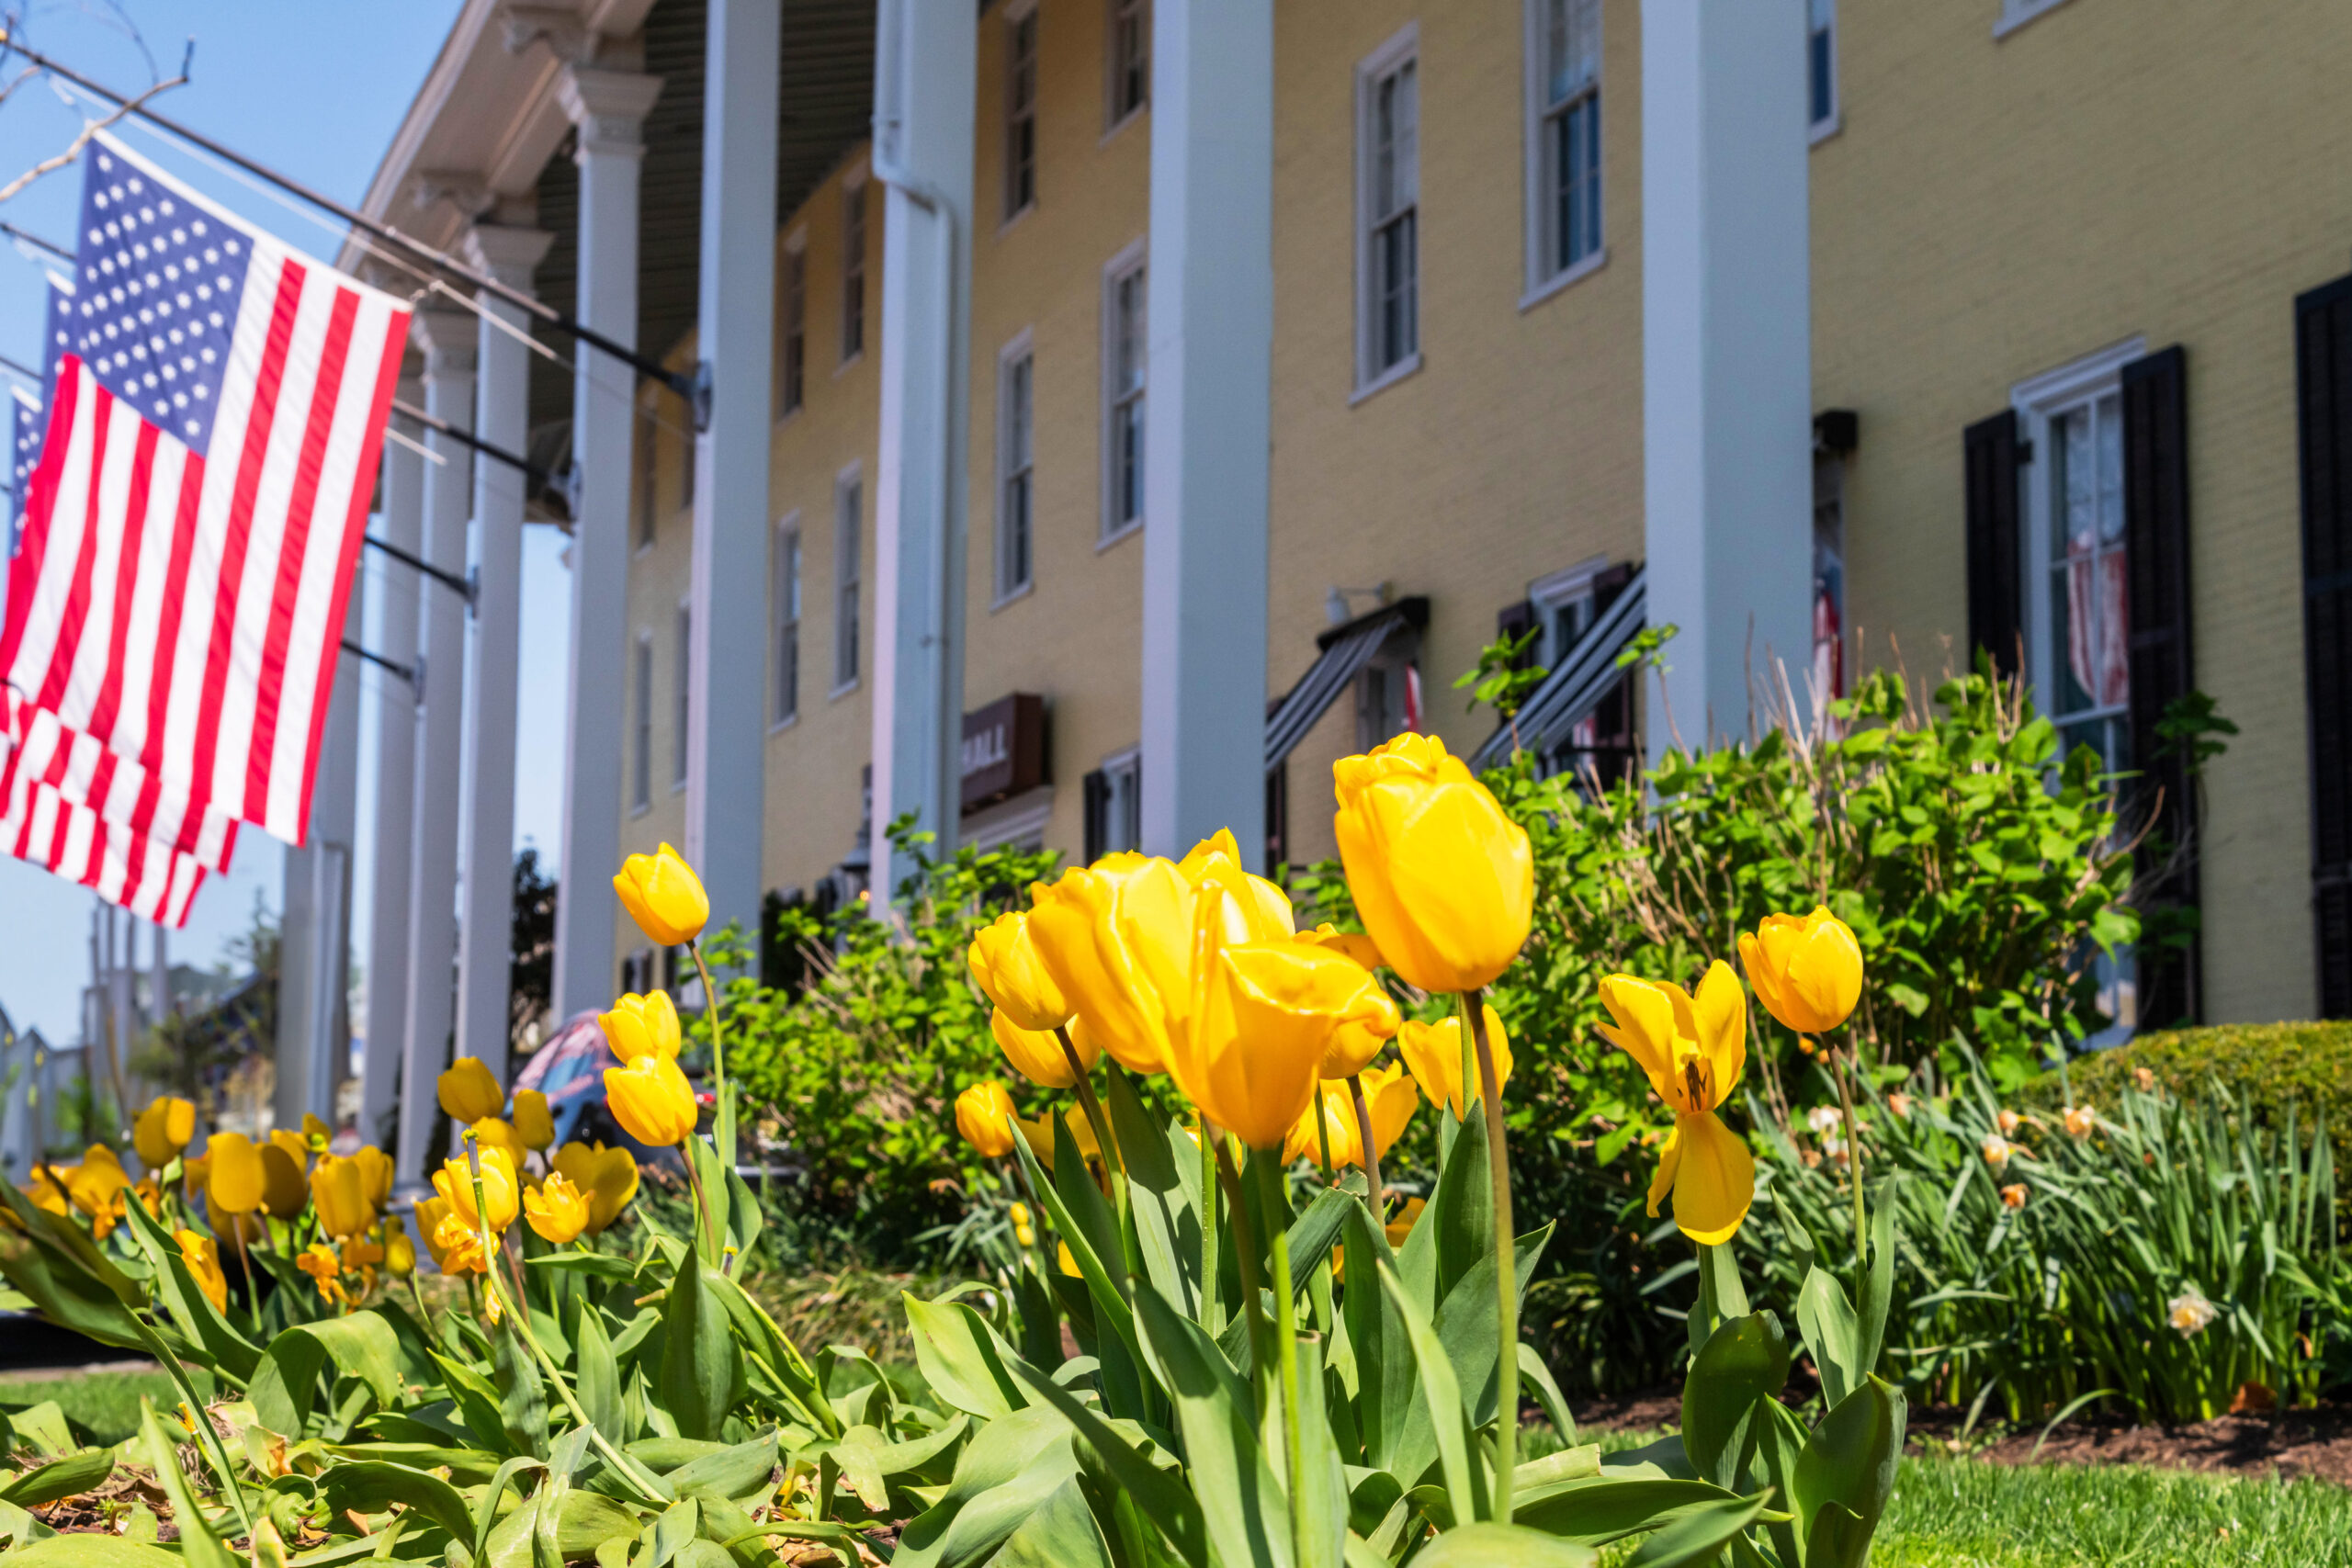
(108, 674)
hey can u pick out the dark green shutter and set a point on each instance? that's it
(1996, 557)
(2323, 384)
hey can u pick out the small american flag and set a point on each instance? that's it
(120, 865)
(190, 530)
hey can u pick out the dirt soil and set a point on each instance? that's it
(2286, 1444)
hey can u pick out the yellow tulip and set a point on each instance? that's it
(1062, 1257)
(316, 1133)
(150, 1193)
(203, 1256)
(399, 1253)
(1370, 1021)
(284, 1191)
(375, 1174)
(195, 1176)
(652, 1099)
(1268, 1010)
(1433, 1053)
(1004, 965)
(469, 1092)
(1036, 1056)
(96, 1183)
(1388, 1095)
(663, 896)
(984, 1114)
(455, 1182)
(1807, 971)
(1340, 1136)
(320, 1262)
(1354, 945)
(339, 1192)
(642, 1026)
(557, 1209)
(163, 1130)
(607, 1176)
(1401, 1226)
(533, 1122)
(1262, 910)
(1077, 1131)
(1693, 1049)
(236, 1181)
(1444, 880)
(457, 1246)
(493, 1133)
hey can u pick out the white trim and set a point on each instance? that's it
(1114, 121)
(2078, 376)
(785, 527)
(1577, 274)
(682, 759)
(640, 673)
(1020, 347)
(1557, 587)
(1823, 129)
(1133, 257)
(794, 250)
(1014, 14)
(2016, 14)
(1401, 49)
(850, 474)
(855, 181)
(1009, 820)
(1129, 532)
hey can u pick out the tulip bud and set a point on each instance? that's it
(203, 1256)
(642, 1026)
(1807, 971)
(469, 1092)
(284, 1191)
(533, 1123)
(1433, 1053)
(1250, 1056)
(1037, 1055)
(339, 1190)
(557, 1209)
(163, 1130)
(494, 1132)
(375, 1174)
(653, 1100)
(663, 896)
(236, 1181)
(609, 1177)
(456, 1180)
(399, 1253)
(1444, 880)
(1005, 965)
(984, 1116)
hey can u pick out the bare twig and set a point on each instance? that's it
(89, 129)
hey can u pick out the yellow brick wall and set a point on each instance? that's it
(1993, 209)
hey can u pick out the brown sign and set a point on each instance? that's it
(1004, 750)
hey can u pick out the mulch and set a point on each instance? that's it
(2285, 1444)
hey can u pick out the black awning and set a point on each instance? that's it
(1575, 686)
(1346, 649)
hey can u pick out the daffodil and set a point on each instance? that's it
(1693, 1049)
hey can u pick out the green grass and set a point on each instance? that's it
(103, 1405)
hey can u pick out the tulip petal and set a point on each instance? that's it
(1722, 1012)
(1715, 1179)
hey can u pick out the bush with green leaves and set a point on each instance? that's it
(2272, 1068)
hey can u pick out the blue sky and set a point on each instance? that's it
(315, 90)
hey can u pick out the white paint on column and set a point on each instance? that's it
(314, 963)
(1206, 424)
(608, 107)
(403, 526)
(486, 769)
(726, 683)
(447, 340)
(1727, 369)
(924, 96)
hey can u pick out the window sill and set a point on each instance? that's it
(1118, 536)
(849, 363)
(789, 415)
(1012, 220)
(2016, 14)
(1012, 596)
(1386, 378)
(1123, 121)
(1563, 279)
(640, 810)
(844, 689)
(644, 548)
(677, 787)
(786, 722)
(1823, 129)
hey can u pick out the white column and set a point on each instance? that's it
(924, 87)
(609, 108)
(313, 1020)
(297, 940)
(1727, 358)
(735, 321)
(394, 632)
(447, 341)
(1211, 303)
(486, 770)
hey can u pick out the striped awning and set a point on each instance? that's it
(1575, 686)
(1346, 649)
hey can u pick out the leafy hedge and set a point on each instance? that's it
(2269, 1065)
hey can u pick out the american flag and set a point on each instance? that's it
(176, 601)
(122, 866)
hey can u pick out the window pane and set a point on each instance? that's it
(1817, 72)
(1571, 48)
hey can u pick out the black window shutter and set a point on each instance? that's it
(2156, 520)
(1994, 556)
(1096, 789)
(1514, 621)
(2323, 386)
(1277, 816)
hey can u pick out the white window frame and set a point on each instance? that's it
(849, 552)
(792, 326)
(1546, 271)
(1401, 52)
(641, 761)
(1125, 765)
(787, 604)
(1018, 114)
(1016, 465)
(856, 319)
(1117, 398)
(1551, 594)
(682, 704)
(1821, 24)
(1115, 14)
(2016, 14)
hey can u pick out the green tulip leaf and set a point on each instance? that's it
(175, 1288)
(966, 1364)
(1387, 1392)
(702, 1369)
(1825, 1318)
(1849, 1463)
(1461, 1215)
(1449, 1423)
(998, 1485)
(1745, 1360)
(1164, 1498)
(595, 1380)
(200, 1548)
(1060, 1534)
(97, 1552)
(1163, 1202)
(1878, 1281)
(1699, 1534)
(1248, 1526)
(60, 1478)
(1501, 1546)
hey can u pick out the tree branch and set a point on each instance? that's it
(50, 165)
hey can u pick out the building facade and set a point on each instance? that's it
(2045, 278)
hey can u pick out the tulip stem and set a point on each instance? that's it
(1506, 1263)
(1853, 1169)
(1245, 1237)
(1286, 1349)
(723, 1114)
(1085, 1083)
(1371, 1149)
(1211, 1287)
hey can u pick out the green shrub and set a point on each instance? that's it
(2270, 1066)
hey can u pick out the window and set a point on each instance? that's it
(641, 787)
(1015, 467)
(1126, 354)
(681, 754)
(1129, 51)
(1821, 65)
(784, 598)
(1563, 138)
(852, 269)
(649, 494)
(791, 326)
(2016, 14)
(849, 501)
(1114, 805)
(1388, 693)
(1019, 112)
(1828, 575)
(1388, 158)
